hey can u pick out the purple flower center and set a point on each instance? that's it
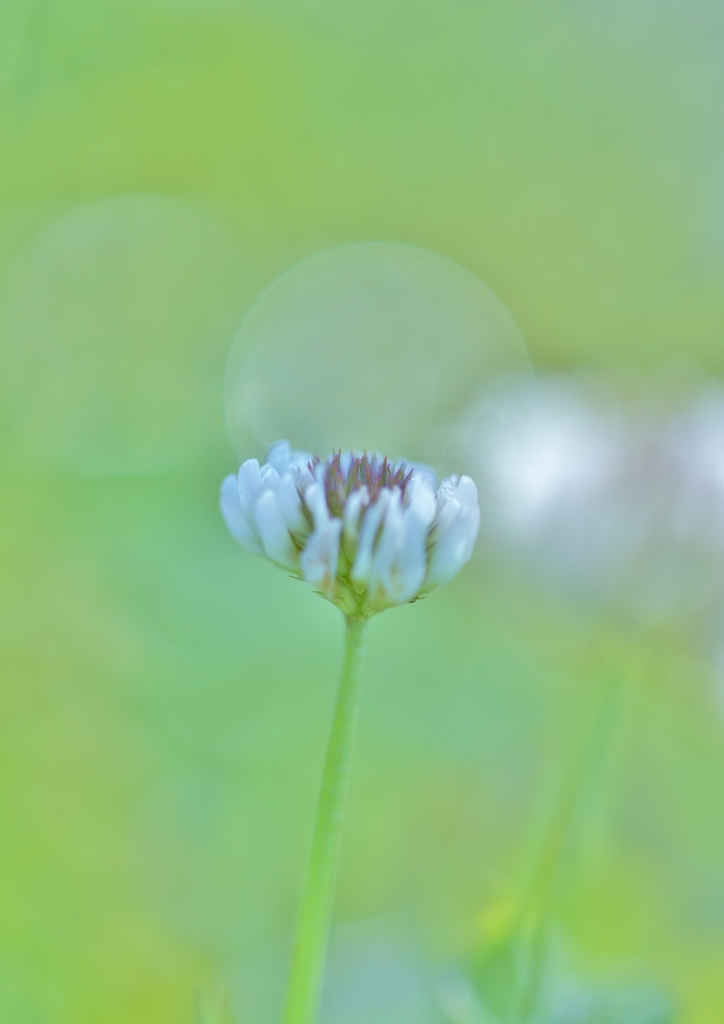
(343, 476)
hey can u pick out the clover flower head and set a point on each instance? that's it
(364, 532)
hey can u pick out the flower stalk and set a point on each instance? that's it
(367, 534)
(315, 910)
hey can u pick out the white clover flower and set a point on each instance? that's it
(364, 532)
(615, 499)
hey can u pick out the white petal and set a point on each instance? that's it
(272, 527)
(290, 502)
(352, 512)
(318, 473)
(316, 500)
(412, 560)
(234, 516)
(448, 503)
(422, 472)
(400, 559)
(422, 500)
(250, 488)
(383, 587)
(467, 492)
(448, 489)
(320, 555)
(281, 457)
(304, 478)
(371, 520)
(285, 489)
(455, 533)
(269, 477)
(345, 462)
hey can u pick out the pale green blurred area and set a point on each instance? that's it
(165, 696)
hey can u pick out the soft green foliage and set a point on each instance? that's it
(311, 935)
(165, 697)
(215, 1011)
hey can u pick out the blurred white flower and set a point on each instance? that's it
(549, 467)
(618, 501)
(364, 532)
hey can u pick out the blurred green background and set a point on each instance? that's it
(165, 696)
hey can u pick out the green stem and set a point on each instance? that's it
(310, 945)
(583, 769)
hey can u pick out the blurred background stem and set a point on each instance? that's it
(585, 767)
(312, 933)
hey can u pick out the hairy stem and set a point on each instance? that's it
(310, 945)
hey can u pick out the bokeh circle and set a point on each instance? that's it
(113, 326)
(375, 346)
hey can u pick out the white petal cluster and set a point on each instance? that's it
(616, 499)
(366, 533)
